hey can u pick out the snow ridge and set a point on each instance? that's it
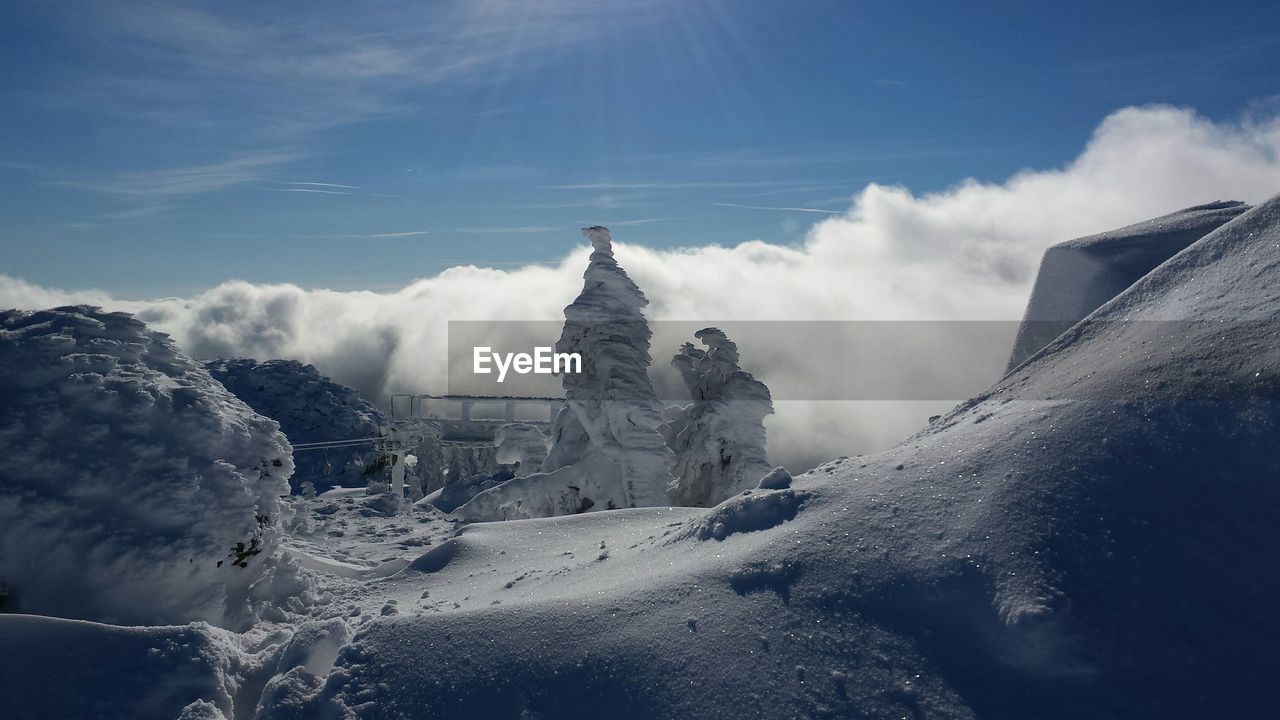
(1078, 276)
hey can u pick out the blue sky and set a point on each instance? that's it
(161, 148)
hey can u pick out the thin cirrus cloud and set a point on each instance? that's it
(314, 236)
(317, 191)
(322, 191)
(639, 221)
(516, 230)
(407, 233)
(780, 209)
(679, 185)
(185, 180)
(299, 183)
(249, 83)
(965, 253)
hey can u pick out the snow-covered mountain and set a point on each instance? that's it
(310, 408)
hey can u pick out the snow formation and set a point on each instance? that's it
(719, 439)
(607, 451)
(310, 408)
(1078, 276)
(134, 488)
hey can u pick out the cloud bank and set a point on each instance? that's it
(966, 253)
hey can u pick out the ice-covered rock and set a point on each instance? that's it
(134, 488)
(607, 451)
(776, 479)
(310, 408)
(719, 439)
(1076, 277)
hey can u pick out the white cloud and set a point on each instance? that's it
(969, 252)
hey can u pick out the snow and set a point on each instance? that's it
(1078, 276)
(134, 488)
(1065, 545)
(456, 494)
(607, 450)
(1092, 537)
(310, 408)
(135, 672)
(719, 439)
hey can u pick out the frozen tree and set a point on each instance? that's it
(607, 450)
(719, 439)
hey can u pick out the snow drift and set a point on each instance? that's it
(310, 408)
(133, 487)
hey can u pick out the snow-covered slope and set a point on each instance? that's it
(192, 672)
(310, 408)
(1078, 276)
(133, 487)
(1092, 538)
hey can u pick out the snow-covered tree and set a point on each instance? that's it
(719, 439)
